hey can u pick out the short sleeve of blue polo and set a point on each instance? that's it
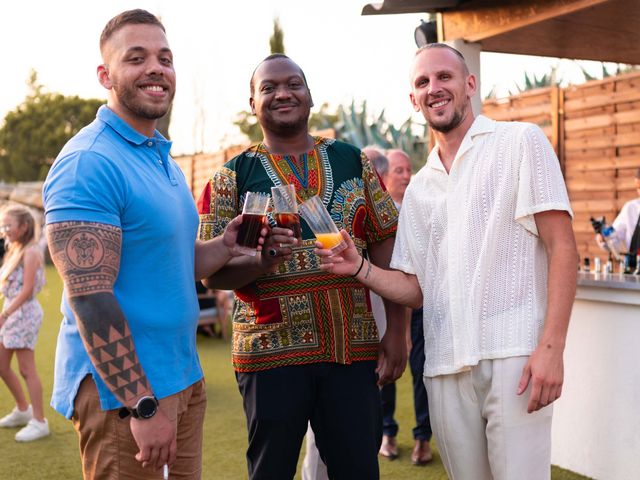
(87, 187)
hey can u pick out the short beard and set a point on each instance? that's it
(126, 97)
(150, 113)
(456, 120)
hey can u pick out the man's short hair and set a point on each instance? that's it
(430, 46)
(377, 158)
(130, 17)
(274, 56)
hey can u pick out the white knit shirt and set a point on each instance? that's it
(471, 239)
(625, 223)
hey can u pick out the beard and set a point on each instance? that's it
(457, 118)
(128, 96)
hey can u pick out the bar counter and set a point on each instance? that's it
(609, 280)
(596, 426)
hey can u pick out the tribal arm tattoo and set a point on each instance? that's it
(87, 256)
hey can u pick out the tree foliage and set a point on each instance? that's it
(276, 42)
(34, 133)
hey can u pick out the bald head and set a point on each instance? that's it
(399, 174)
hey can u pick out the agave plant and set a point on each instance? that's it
(358, 127)
(619, 69)
(531, 82)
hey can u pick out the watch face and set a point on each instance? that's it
(147, 407)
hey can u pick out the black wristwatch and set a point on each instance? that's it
(145, 408)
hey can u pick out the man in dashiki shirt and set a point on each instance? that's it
(305, 343)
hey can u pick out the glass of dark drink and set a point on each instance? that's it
(285, 209)
(253, 216)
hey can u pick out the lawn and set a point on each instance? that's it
(56, 457)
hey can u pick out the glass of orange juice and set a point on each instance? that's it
(317, 217)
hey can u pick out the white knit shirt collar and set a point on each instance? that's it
(481, 125)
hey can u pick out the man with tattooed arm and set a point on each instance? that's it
(121, 225)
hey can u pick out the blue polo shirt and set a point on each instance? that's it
(109, 173)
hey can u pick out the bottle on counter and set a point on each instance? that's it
(597, 265)
(608, 268)
(627, 265)
(587, 265)
(637, 272)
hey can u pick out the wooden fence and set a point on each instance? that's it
(199, 168)
(601, 150)
(595, 130)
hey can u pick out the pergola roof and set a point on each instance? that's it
(603, 30)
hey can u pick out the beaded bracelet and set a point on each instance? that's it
(359, 268)
(366, 275)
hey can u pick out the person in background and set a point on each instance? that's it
(122, 228)
(394, 166)
(626, 234)
(21, 279)
(305, 344)
(485, 244)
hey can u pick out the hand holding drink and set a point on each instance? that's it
(345, 262)
(317, 217)
(253, 217)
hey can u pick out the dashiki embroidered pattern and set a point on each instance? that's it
(301, 314)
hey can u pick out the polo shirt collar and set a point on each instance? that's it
(481, 125)
(125, 130)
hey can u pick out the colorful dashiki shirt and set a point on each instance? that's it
(301, 314)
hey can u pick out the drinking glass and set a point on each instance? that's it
(285, 209)
(253, 215)
(316, 215)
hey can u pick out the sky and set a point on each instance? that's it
(217, 45)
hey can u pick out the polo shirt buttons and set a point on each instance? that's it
(160, 162)
(149, 144)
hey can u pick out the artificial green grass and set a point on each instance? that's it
(225, 438)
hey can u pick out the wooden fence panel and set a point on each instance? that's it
(601, 136)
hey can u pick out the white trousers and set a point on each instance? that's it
(482, 427)
(313, 468)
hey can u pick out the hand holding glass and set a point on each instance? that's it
(285, 209)
(316, 215)
(253, 215)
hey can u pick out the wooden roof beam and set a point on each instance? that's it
(486, 19)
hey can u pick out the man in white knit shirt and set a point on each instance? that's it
(485, 242)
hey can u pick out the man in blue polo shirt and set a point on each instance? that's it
(122, 227)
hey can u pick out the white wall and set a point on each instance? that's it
(596, 425)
